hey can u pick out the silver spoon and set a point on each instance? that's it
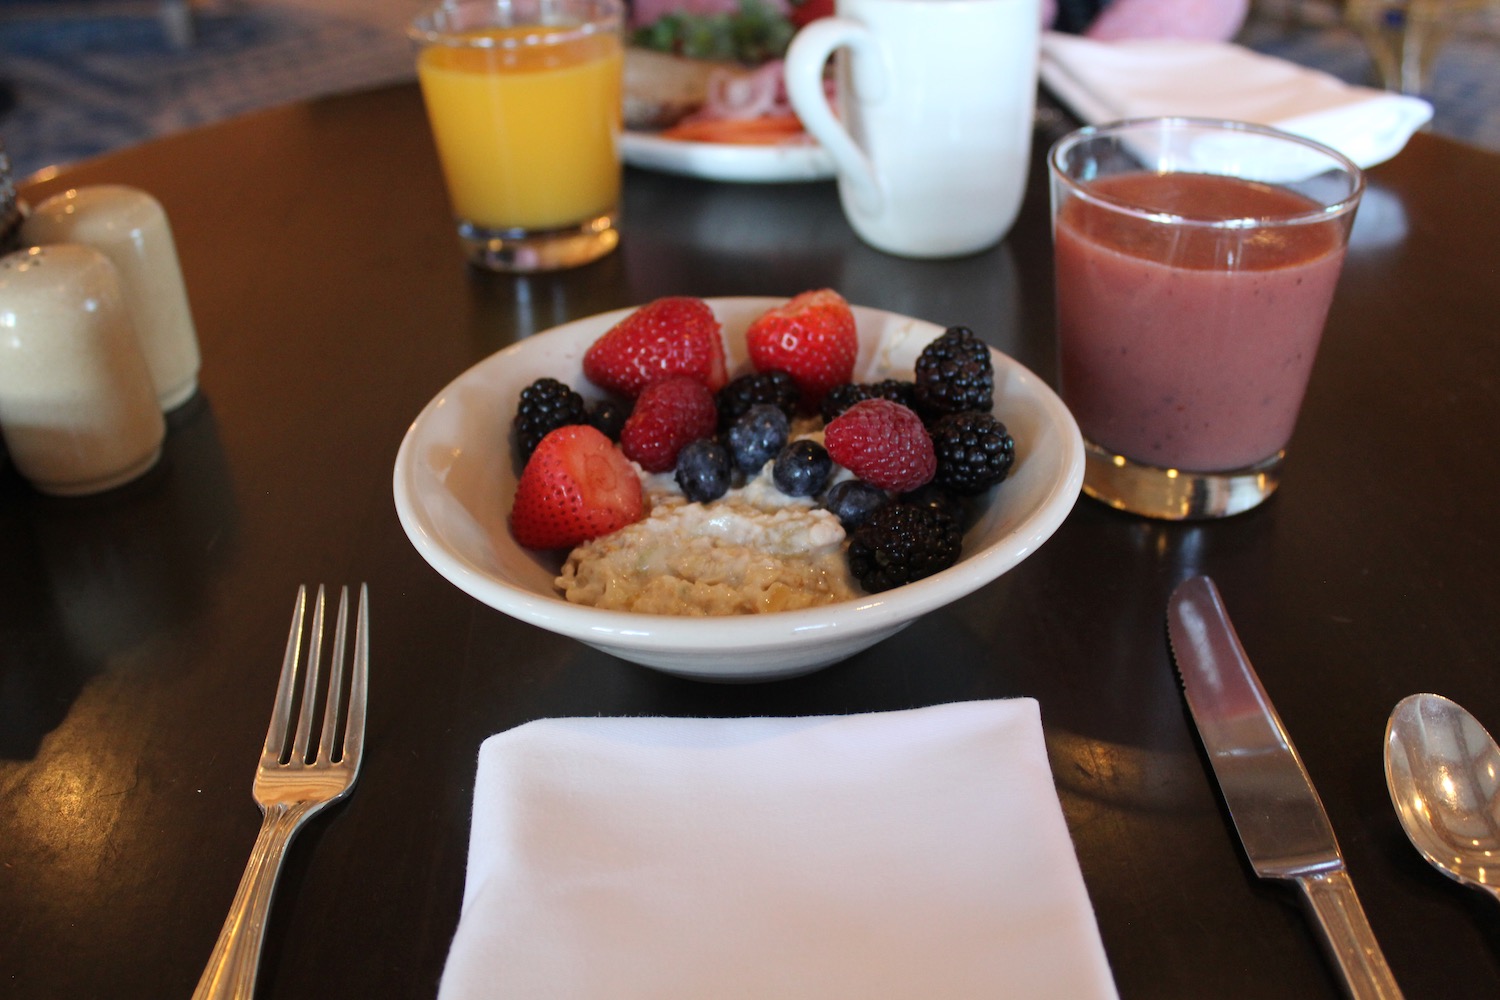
(1443, 772)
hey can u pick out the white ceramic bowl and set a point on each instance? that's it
(455, 477)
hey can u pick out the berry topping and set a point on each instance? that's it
(853, 500)
(775, 387)
(812, 338)
(900, 543)
(671, 336)
(608, 415)
(974, 452)
(545, 405)
(668, 415)
(576, 486)
(844, 396)
(758, 436)
(802, 469)
(703, 470)
(955, 373)
(883, 443)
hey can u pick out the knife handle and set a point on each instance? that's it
(1347, 936)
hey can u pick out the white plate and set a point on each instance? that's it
(455, 477)
(723, 161)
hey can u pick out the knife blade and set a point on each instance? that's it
(1272, 801)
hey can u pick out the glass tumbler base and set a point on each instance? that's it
(1176, 494)
(522, 251)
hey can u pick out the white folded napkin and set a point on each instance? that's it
(1147, 78)
(918, 854)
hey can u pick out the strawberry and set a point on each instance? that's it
(576, 486)
(812, 338)
(671, 336)
(883, 443)
(668, 415)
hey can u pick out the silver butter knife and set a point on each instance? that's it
(1275, 808)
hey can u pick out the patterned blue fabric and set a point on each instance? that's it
(82, 85)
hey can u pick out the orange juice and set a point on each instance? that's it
(527, 134)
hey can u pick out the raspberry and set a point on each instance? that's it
(812, 338)
(841, 397)
(883, 443)
(668, 415)
(900, 543)
(955, 373)
(546, 405)
(775, 387)
(974, 452)
(671, 336)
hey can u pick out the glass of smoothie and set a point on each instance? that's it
(1196, 262)
(524, 100)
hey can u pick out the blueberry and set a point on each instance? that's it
(608, 416)
(703, 470)
(758, 436)
(802, 469)
(853, 500)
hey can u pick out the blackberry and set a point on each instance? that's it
(757, 436)
(974, 452)
(802, 469)
(703, 470)
(900, 543)
(852, 501)
(772, 386)
(955, 373)
(608, 417)
(939, 499)
(841, 397)
(546, 405)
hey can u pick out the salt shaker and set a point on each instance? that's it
(130, 227)
(77, 407)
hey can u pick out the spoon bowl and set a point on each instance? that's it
(1443, 771)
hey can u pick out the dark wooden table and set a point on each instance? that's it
(141, 631)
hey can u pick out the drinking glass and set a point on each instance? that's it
(524, 100)
(1196, 261)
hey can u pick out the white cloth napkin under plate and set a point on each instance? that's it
(910, 855)
(1148, 78)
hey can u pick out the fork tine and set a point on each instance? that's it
(276, 733)
(354, 729)
(310, 681)
(335, 681)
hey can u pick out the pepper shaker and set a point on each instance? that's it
(77, 407)
(130, 227)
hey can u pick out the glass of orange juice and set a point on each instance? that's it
(524, 99)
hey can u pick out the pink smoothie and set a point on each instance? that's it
(1170, 357)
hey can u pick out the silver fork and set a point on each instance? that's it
(291, 783)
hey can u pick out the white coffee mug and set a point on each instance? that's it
(932, 140)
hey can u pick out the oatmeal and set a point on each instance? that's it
(755, 550)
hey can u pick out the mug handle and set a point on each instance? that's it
(809, 52)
